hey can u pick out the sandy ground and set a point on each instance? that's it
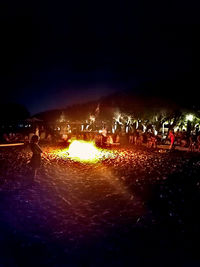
(139, 208)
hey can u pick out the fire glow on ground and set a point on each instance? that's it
(101, 208)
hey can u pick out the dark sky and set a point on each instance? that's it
(55, 53)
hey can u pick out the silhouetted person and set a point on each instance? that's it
(153, 141)
(136, 136)
(192, 143)
(36, 157)
(131, 138)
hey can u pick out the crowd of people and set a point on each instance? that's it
(107, 139)
(15, 136)
(139, 138)
(183, 139)
(152, 140)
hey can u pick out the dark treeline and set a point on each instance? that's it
(131, 103)
(11, 112)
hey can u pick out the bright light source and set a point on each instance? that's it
(84, 152)
(189, 117)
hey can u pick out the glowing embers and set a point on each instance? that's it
(85, 152)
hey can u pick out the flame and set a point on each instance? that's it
(85, 152)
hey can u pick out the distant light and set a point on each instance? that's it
(189, 117)
(144, 128)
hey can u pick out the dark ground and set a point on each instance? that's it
(139, 209)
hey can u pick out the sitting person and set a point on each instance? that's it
(109, 141)
(5, 137)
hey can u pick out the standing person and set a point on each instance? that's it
(109, 141)
(172, 139)
(104, 137)
(37, 131)
(154, 141)
(178, 137)
(192, 143)
(149, 140)
(117, 140)
(36, 157)
(136, 136)
(131, 138)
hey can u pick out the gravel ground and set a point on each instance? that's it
(137, 208)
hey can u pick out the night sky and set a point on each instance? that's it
(54, 54)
